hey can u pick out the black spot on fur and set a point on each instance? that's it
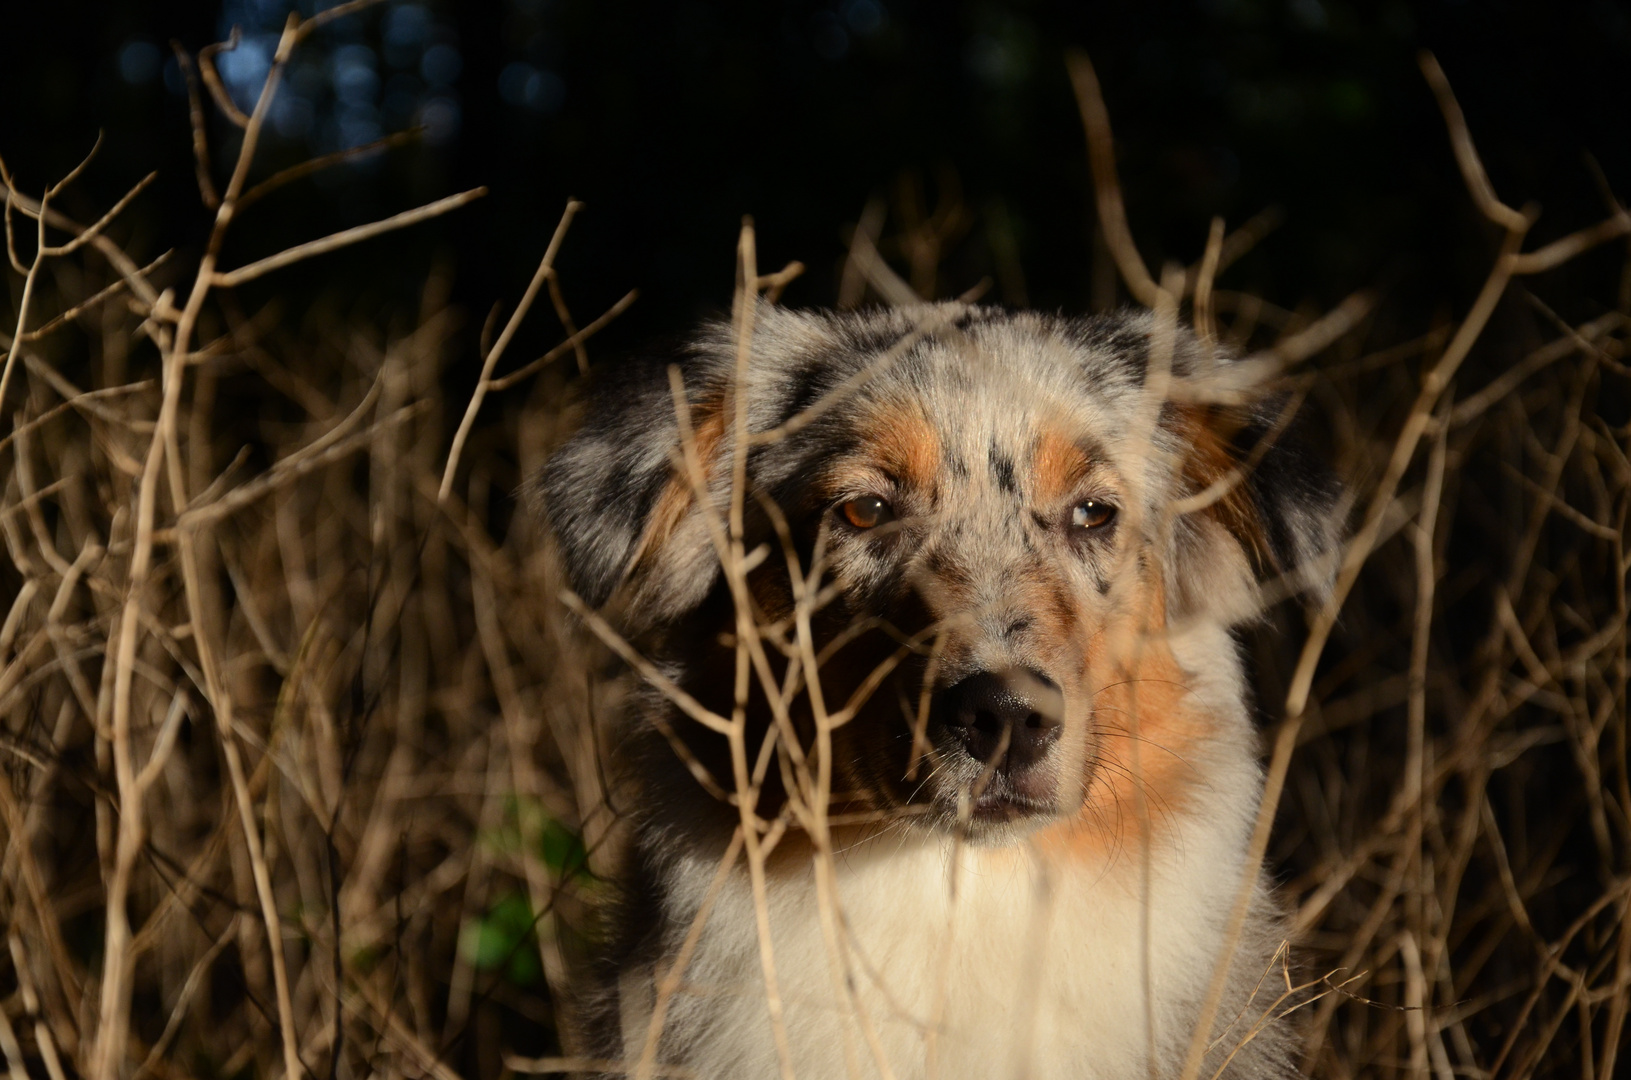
(983, 315)
(938, 562)
(783, 467)
(626, 494)
(1002, 470)
(805, 387)
(1018, 626)
(1119, 344)
(871, 337)
(947, 569)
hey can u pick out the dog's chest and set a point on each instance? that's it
(953, 962)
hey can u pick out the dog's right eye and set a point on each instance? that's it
(1091, 514)
(867, 512)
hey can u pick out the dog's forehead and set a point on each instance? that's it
(1005, 388)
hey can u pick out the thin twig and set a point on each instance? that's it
(546, 267)
(1106, 186)
(345, 238)
(212, 79)
(571, 344)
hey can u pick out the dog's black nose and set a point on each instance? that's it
(1025, 705)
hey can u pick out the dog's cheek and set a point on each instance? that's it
(866, 574)
(1144, 732)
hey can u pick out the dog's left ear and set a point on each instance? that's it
(624, 517)
(1273, 501)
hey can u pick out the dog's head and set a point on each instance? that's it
(1011, 517)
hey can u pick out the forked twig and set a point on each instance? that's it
(546, 268)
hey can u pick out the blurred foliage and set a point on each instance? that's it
(505, 939)
(530, 828)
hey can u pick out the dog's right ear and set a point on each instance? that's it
(622, 512)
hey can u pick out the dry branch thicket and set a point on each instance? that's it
(295, 772)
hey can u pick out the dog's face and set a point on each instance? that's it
(1005, 516)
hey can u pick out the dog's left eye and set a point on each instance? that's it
(867, 512)
(1092, 514)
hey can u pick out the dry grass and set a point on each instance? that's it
(296, 773)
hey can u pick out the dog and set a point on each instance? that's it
(1002, 831)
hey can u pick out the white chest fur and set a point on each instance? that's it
(969, 962)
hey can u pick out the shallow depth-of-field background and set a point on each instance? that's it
(294, 772)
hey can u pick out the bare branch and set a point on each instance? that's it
(318, 164)
(570, 344)
(200, 129)
(103, 222)
(546, 267)
(1106, 186)
(345, 238)
(212, 79)
(1466, 154)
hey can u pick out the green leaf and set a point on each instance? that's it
(562, 849)
(504, 938)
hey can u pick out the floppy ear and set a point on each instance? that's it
(1295, 494)
(1273, 511)
(622, 513)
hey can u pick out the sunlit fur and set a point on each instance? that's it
(1071, 937)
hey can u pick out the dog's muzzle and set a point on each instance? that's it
(1007, 723)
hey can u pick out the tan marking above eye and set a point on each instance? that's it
(900, 441)
(1059, 466)
(1092, 514)
(867, 511)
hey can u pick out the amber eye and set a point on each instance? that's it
(1092, 514)
(867, 512)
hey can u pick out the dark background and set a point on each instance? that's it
(673, 120)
